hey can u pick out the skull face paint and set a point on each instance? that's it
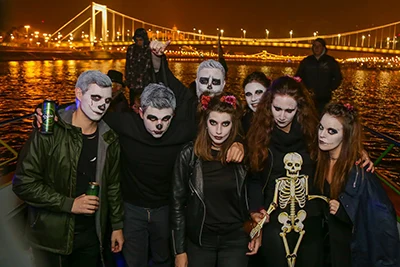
(293, 162)
(209, 79)
(156, 121)
(95, 101)
(330, 135)
(253, 92)
(284, 109)
(219, 127)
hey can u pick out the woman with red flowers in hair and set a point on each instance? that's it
(361, 219)
(209, 200)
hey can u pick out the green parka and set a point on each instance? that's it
(45, 179)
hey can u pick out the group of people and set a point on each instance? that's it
(177, 185)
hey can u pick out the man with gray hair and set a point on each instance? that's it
(54, 172)
(149, 145)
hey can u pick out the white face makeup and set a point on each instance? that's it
(219, 127)
(209, 79)
(157, 121)
(284, 109)
(95, 102)
(330, 135)
(253, 92)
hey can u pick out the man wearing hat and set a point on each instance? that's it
(119, 101)
(320, 73)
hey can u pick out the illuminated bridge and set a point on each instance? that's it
(106, 28)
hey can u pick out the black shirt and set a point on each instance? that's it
(221, 197)
(146, 162)
(86, 173)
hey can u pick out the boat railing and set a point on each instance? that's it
(4, 144)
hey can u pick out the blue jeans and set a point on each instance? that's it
(146, 230)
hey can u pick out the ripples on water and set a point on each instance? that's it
(24, 85)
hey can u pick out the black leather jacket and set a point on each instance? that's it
(188, 211)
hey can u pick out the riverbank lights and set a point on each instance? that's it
(291, 34)
(244, 33)
(267, 32)
(222, 32)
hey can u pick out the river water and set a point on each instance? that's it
(24, 85)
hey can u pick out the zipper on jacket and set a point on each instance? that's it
(173, 241)
(270, 170)
(204, 213)
(355, 180)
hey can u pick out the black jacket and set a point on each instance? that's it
(375, 240)
(188, 210)
(322, 76)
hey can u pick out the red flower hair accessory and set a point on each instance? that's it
(230, 99)
(205, 100)
(348, 107)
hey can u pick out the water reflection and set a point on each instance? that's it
(24, 85)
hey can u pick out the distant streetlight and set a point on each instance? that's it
(291, 34)
(27, 28)
(315, 34)
(244, 34)
(222, 33)
(194, 30)
(362, 40)
(267, 32)
(199, 34)
(241, 29)
(388, 41)
(369, 40)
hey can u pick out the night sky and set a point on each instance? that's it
(279, 17)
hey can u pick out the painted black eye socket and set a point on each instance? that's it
(216, 81)
(289, 110)
(152, 118)
(212, 122)
(248, 94)
(108, 100)
(204, 80)
(332, 131)
(277, 108)
(166, 118)
(320, 127)
(259, 92)
(226, 123)
(95, 97)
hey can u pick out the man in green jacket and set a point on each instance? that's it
(65, 226)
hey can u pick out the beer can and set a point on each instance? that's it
(49, 112)
(93, 189)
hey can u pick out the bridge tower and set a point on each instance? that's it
(95, 9)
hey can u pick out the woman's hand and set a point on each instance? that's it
(258, 216)
(181, 260)
(255, 244)
(333, 206)
(235, 153)
(365, 160)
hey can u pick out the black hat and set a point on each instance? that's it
(116, 76)
(321, 41)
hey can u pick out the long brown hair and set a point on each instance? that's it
(223, 102)
(259, 134)
(350, 151)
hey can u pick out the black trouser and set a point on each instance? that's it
(85, 253)
(146, 230)
(310, 253)
(219, 250)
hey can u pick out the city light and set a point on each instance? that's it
(291, 34)
(267, 33)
